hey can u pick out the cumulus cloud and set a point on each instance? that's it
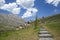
(25, 3)
(27, 14)
(16, 10)
(2, 2)
(9, 6)
(12, 7)
(33, 10)
(30, 12)
(53, 2)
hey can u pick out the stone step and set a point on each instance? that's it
(46, 36)
(46, 39)
(44, 32)
(43, 35)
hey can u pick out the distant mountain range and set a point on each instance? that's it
(10, 21)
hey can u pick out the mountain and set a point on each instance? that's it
(10, 21)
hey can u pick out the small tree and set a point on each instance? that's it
(36, 22)
(43, 19)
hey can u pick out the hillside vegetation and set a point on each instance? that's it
(53, 24)
(22, 34)
(11, 22)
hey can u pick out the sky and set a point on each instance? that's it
(29, 9)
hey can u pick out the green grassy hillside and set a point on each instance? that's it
(53, 24)
(54, 18)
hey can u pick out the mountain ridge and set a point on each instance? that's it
(10, 21)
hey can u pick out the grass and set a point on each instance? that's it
(53, 24)
(55, 30)
(23, 34)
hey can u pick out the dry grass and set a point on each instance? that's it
(22, 34)
(54, 29)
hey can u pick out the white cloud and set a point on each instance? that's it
(9, 6)
(34, 10)
(30, 12)
(53, 2)
(12, 7)
(16, 11)
(2, 2)
(25, 3)
(27, 14)
(49, 1)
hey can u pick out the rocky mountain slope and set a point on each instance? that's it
(10, 21)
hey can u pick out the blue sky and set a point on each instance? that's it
(46, 9)
(41, 8)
